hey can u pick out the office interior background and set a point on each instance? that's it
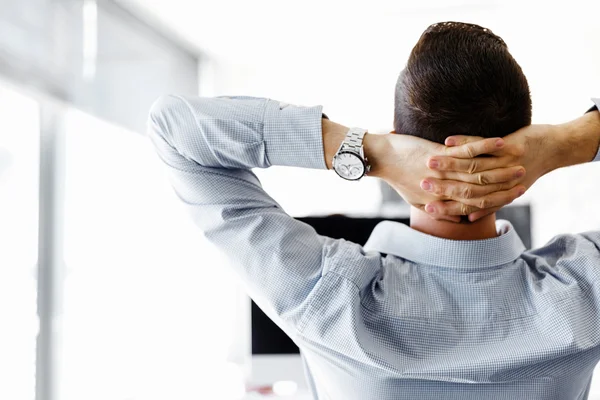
(107, 290)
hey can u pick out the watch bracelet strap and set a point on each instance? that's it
(354, 139)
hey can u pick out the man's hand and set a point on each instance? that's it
(401, 161)
(538, 148)
(526, 147)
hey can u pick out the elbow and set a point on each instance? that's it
(163, 108)
(161, 117)
(162, 105)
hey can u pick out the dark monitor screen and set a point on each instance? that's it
(267, 338)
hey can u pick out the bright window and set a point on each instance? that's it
(19, 187)
(149, 307)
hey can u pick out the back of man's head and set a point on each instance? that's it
(460, 79)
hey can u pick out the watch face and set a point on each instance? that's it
(349, 166)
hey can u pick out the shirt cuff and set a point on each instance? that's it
(596, 107)
(293, 135)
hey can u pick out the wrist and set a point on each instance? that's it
(333, 136)
(375, 147)
(580, 140)
(557, 142)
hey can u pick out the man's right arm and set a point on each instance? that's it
(579, 140)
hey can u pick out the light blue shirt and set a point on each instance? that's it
(434, 319)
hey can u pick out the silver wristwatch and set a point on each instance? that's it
(350, 162)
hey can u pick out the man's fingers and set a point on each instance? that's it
(498, 199)
(469, 206)
(468, 193)
(451, 218)
(459, 140)
(500, 175)
(482, 213)
(440, 209)
(514, 149)
(469, 165)
(476, 148)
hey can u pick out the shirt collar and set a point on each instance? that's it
(391, 237)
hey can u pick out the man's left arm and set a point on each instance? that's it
(209, 146)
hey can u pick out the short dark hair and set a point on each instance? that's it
(461, 79)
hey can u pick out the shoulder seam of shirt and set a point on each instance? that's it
(304, 318)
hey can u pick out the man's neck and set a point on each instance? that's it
(484, 228)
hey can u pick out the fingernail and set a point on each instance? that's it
(521, 192)
(434, 164)
(450, 142)
(426, 185)
(520, 173)
(430, 209)
(499, 143)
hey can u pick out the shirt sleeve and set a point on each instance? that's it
(209, 146)
(596, 108)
